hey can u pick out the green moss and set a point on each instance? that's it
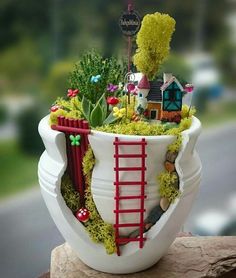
(99, 231)
(166, 186)
(69, 194)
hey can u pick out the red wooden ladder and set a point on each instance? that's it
(118, 183)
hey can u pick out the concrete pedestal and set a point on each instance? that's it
(189, 257)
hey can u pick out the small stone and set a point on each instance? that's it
(176, 183)
(154, 215)
(171, 157)
(164, 203)
(170, 167)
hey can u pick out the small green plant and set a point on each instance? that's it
(97, 114)
(93, 73)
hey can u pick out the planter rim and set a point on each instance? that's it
(196, 124)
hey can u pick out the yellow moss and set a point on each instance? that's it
(134, 128)
(68, 108)
(176, 145)
(153, 41)
(88, 162)
(74, 114)
(69, 194)
(54, 115)
(99, 231)
(166, 186)
(185, 113)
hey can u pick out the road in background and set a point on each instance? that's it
(28, 234)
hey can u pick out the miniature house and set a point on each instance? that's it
(161, 100)
(172, 93)
(143, 90)
(154, 100)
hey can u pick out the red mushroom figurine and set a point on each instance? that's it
(112, 100)
(82, 215)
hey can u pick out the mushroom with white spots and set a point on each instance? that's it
(82, 215)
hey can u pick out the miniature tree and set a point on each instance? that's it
(153, 42)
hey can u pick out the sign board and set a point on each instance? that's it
(129, 23)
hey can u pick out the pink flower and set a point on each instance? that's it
(188, 88)
(130, 87)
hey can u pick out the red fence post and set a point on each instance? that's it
(75, 153)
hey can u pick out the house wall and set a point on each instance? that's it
(154, 105)
(169, 115)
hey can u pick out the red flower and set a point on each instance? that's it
(82, 215)
(54, 108)
(112, 100)
(72, 93)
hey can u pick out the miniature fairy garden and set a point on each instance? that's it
(104, 98)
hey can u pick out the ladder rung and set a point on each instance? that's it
(130, 155)
(130, 197)
(130, 168)
(130, 183)
(129, 210)
(130, 143)
(129, 239)
(127, 225)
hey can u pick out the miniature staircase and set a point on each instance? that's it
(118, 183)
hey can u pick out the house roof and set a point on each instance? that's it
(155, 91)
(168, 83)
(144, 83)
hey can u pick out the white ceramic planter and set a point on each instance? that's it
(51, 168)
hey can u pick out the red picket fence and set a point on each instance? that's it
(75, 151)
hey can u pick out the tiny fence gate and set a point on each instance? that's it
(76, 133)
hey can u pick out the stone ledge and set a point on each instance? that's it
(188, 257)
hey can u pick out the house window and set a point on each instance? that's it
(153, 114)
(140, 95)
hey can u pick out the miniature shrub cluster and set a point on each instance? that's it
(167, 188)
(99, 231)
(93, 73)
(153, 42)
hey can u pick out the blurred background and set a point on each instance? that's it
(39, 43)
